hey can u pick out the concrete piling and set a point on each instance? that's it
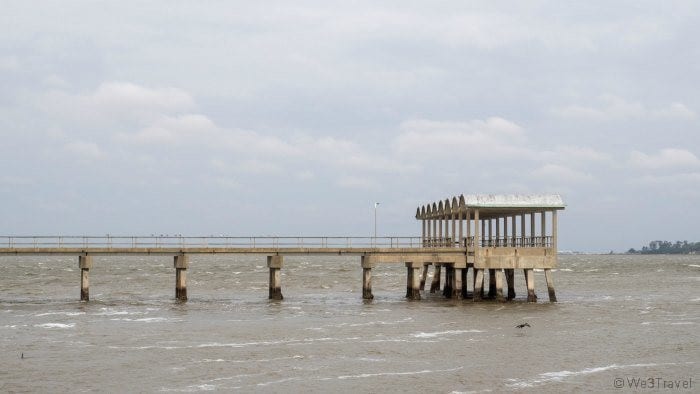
(181, 263)
(435, 285)
(457, 282)
(84, 263)
(530, 280)
(424, 275)
(465, 294)
(449, 280)
(492, 283)
(499, 285)
(478, 284)
(550, 285)
(274, 263)
(367, 263)
(510, 280)
(413, 280)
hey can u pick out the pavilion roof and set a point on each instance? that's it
(491, 205)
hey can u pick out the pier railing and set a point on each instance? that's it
(512, 242)
(122, 242)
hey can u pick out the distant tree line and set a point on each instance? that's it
(666, 247)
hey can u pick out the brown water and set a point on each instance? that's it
(622, 317)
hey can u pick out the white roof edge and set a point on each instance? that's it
(514, 200)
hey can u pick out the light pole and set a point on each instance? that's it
(376, 204)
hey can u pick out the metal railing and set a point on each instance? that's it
(165, 241)
(131, 242)
(514, 242)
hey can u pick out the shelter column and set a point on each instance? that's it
(422, 232)
(461, 226)
(84, 263)
(543, 229)
(181, 263)
(532, 229)
(522, 230)
(368, 262)
(274, 263)
(513, 228)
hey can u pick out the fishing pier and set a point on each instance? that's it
(494, 234)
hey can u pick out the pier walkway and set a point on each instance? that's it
(478, 232)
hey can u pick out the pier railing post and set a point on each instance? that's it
(85, 263)
(274, 263)
(181, 263)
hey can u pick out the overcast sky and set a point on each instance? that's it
(293, 118)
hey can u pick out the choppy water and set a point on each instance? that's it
(617, 317)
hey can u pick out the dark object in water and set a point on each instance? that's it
(22, 356)
(522, 325)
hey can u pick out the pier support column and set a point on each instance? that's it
(367, 262)
(550, 285)
(413, 280)
(478, 284)
(492, 283)
(457, 282)
(449, 280)
(85, 263)
(274, 263)
(181, 263)
(435, 285)
(510, 279)
(424, 276)
(465, 271)
(530, 279)
(499, 285)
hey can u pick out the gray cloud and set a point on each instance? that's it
(196, 120)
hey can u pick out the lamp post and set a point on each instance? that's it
(376, 204)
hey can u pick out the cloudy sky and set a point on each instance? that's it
(273, 118)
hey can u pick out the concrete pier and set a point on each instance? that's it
(550, 285)
(84, 263)
(435, 285)
(465, 293)
(530, 280)
(457, 293)
(492, 283)
(449, 280)
(478, 285)
(181, 263)
(424, 275)
(499, 285)
(510, 280)
(274, 263)
(413, 280)
(367, 263)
